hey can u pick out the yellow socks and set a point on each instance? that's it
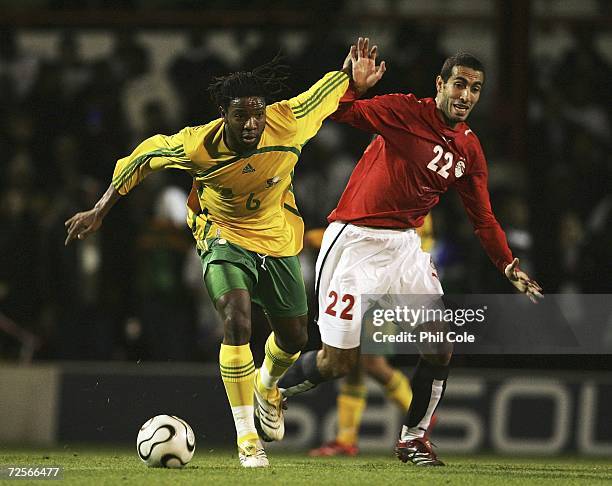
(237, 371)
(398, 389)
(351, 403)
(275, 363)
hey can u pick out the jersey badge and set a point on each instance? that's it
(247, 169)
(469, 130)
(272, 182)
(459, 169)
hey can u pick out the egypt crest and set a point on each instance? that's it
(459, 169)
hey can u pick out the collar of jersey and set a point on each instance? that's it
(439, 125)
(258, 150)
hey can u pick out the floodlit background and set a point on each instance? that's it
(81, 83)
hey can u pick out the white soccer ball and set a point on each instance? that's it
(165, 441)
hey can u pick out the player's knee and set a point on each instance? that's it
(234, 308)
(237, 328)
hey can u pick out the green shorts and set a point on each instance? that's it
(275, 283)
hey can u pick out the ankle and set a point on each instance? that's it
(263, 390)
(411, 433)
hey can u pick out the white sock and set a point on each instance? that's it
(243, 420)
(409, 433)
(267, 379)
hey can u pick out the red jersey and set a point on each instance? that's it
(415, 158)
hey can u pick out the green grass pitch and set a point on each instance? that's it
(97, 466)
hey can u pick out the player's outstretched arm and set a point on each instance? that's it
(82, 224)
(522, 282)
(370, 115)
(361, 63)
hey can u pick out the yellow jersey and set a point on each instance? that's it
(427, 234)
(246, 199)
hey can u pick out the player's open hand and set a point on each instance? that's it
(522, 282)
(364, 70)
(82, 224)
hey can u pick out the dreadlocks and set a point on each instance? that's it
(266, 81)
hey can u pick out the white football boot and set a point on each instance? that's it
(252, 454)
(269, 419)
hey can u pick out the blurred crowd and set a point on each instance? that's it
(134, 290)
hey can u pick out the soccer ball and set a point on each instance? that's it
(165, 441)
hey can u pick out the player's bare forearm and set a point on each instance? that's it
(107, 201)
(82, 224)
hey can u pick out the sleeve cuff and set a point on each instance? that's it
(350, 94)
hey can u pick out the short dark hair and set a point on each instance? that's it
(460, 59)
(266, 81)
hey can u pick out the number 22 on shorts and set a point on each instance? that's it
(347, 299)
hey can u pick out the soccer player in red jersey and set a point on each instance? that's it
(422, 147)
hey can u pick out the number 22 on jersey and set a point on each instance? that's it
(448, 158)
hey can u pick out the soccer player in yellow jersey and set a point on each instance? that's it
(247, 227)
(352, 398)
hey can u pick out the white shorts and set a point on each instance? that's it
(356, 261)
